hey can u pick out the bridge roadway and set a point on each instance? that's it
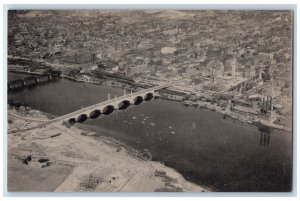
(113, 102)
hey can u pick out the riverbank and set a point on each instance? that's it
(244, 118)
(62, 159)
(121, 86)
(24, 72)
(112, 83)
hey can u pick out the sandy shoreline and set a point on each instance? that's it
(77, 159)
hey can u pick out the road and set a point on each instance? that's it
(28, 118)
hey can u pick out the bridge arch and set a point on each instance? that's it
(82, 118)
(138, 100)
(72, 121)
(108, 109)
(124, 104)
(95, 114)
(148, 96)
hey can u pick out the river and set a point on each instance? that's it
(206, 149)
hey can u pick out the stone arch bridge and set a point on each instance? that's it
(107, 107)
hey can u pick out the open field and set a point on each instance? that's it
(26, 178)
(70, 159)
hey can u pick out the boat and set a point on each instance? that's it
(185, 104)
(172, 132)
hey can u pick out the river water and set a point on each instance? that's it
(206, 149)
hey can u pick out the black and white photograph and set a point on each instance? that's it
(150, 100)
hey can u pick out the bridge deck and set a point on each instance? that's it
(104, 103)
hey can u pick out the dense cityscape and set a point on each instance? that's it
(211, 55)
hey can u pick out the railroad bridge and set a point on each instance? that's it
(29, 81)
